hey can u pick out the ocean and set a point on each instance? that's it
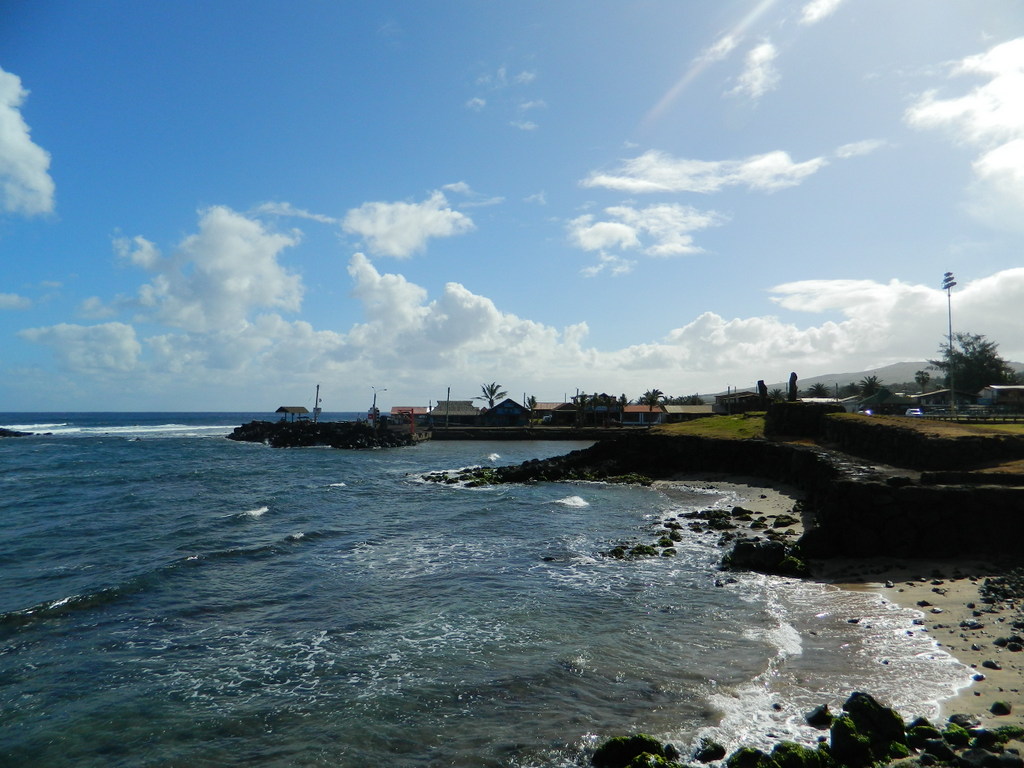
(169, 597)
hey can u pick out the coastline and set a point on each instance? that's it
(947, 593)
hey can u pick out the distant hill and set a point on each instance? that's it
(897, 373)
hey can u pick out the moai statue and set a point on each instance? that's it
(792, 388)
(762, 393)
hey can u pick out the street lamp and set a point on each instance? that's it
(373, 408)
(947, 285)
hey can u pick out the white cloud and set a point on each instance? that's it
(656, 171)
(759, 75)
(991, 118)
(402, 229)
(611, 263)
(91, 349)
(25, 183)
(220, 275)
(14, 301)
(858, 148)
(719, 50)
(138, 251)
(659, 230)
(287, 209)
(816, 10)
(524, 125)
(476, 104)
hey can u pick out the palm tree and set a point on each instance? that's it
(651, 398)
(491, 392)
(776, 395)
(921, 378)
(819, 390)
(869, 385)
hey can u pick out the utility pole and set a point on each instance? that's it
(947, 285)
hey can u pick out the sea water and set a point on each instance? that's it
(169, 597)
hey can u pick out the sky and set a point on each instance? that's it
(220, 206)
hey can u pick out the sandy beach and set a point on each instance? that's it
(947, 593)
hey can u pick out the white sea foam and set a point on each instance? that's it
(573, 501)
(337, 485)
(256, 513)
(828, 643)
(493, 457)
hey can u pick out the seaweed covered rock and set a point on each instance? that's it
(766, 556)
(748, 757)
(849, 747)
(709, 751)
(633, 752)
(789, 754)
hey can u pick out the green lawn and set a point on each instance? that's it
(738, 427)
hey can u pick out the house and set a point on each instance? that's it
(641, 415)
(1003, 398)
(293, 411)
(737, 402)
(939, 399)
(454, 413)
(507, 413)
(558, 414)
(676, 413)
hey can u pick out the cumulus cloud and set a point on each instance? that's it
(403, 229)
(656, 171)
(657, 230)
(990, 118)
(14, 301)
(95, 349)
(220, 275)
(759, 74)
(25, 183)
(476, 104)
(816, 10)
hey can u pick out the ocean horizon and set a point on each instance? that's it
(170, 597)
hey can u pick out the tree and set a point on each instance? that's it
(776, 395)
(651, 398)
(531, 402)
(491, 393)
(921, 378)
(868, 386)
(819, 390)
(973, 363)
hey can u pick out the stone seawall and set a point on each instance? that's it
(858, 509)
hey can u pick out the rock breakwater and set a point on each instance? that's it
(335, 434)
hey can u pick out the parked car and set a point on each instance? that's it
(914, 412)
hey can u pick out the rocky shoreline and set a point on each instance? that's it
(831, 526)
(864, 734)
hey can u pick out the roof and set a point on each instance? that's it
(642, 409)
(455, 408)
(1006, 386)
(689, 409)
(745, 395)
(550, 406)
(415, 410)
(292, 409)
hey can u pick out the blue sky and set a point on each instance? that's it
(218, 206)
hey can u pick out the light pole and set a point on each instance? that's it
(373, 408)
(947, 285)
